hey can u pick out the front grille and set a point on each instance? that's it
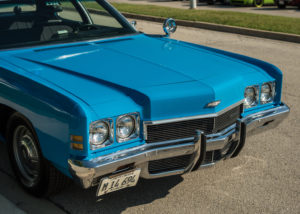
(185, 129)
(169, 164)
(228, 118)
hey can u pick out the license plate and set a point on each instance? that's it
(119, 181)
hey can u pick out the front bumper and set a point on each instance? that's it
(204, 150)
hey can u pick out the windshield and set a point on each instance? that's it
(36, 22)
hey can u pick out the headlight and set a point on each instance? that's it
(251, 96)
(267, 92)
(127, 127)
(100, 134)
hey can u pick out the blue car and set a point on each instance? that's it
(86, 97)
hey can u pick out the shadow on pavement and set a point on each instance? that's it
(75, 199)
(16, 195)
(145, 192)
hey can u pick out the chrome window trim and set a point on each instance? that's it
(157, 122)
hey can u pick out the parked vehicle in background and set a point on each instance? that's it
(281, 4)
(257, 3)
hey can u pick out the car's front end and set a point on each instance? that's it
(180, 145)
(133, 105)
(215, 116)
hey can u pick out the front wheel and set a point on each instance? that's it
(34, 173)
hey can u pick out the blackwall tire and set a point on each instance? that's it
(33, 172)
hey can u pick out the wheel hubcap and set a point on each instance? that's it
(26, 156)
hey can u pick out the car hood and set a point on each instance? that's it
(168, 77)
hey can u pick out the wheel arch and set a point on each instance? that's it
(20, 116)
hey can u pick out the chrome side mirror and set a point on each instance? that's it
(169, 26)
(133, 23)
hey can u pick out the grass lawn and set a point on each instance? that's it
(248, 20)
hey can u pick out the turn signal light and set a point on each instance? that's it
(77, 146)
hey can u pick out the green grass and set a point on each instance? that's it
(248, 20)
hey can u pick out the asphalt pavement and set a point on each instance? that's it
(290, 11)
(265, 178)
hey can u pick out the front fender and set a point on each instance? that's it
(270, 69)
(54, 114)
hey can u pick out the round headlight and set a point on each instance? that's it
(125, 126)
(250, 97)
(99, 133)
(266, 93)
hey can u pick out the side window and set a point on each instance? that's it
(69, 12)
(99, 15)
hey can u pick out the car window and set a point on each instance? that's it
(12, 8)
(37, 22)
(69, 12)
(99, 15)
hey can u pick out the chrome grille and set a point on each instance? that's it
(186, 129)
(169, 164)
(228, 118)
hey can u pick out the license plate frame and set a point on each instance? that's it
(118, 181)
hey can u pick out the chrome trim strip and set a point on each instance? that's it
(85, 171)
(157, 122)
(207, 165)
(193, 117)
(219, 141)
(264, 120)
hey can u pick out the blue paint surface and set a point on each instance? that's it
(61, 89)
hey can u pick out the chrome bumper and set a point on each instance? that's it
(227, 143)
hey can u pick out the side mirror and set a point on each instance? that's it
(133, 23)
(169, 26)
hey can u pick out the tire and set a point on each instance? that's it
(33, 172)
(258, 3)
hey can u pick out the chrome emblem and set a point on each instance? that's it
(213, 104)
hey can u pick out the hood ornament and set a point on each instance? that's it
(213, 104)
(169, 26)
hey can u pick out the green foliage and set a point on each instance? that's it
(248, 20)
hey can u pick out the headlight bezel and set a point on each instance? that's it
(110, 138)
(272, 93)
(257, 96)
(136, 130)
